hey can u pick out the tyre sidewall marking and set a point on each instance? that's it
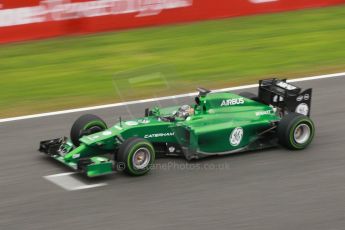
(292, 130)
(131, 153)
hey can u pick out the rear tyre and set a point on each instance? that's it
(135, 156)
(295, 131)
(85, 125)
(250, 96)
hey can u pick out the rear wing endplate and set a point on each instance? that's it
(286, 96)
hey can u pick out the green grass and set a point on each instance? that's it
(78, 71)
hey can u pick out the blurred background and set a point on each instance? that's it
(61, 54)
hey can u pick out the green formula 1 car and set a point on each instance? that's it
(216, 124)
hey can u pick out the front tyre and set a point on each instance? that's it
(135, 156)
(295, 131)
(86, 125)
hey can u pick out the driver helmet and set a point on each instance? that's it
(184, 111)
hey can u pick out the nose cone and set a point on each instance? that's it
(99, 137)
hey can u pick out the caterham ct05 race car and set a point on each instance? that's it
(216, 124)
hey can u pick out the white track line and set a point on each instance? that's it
(342, 74)
(61, 174)
(68, 182)
(88, 186)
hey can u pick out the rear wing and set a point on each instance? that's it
(286, 96)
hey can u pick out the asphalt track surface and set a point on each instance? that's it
(272, 189)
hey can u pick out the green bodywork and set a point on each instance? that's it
(222, 123)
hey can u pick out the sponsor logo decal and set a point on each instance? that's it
(285, 85)
(303, 109)
(159, 135)
(275, 98)
(118, 127)
(262, 1)
(59, 10)
(299, 98)
(211, 111)
(236, 136)
(144, 121)
(107, 133)
(171, 149)
(234, 101)
(131, 123)
(92, 137)
(306, 96)
(260, 113)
